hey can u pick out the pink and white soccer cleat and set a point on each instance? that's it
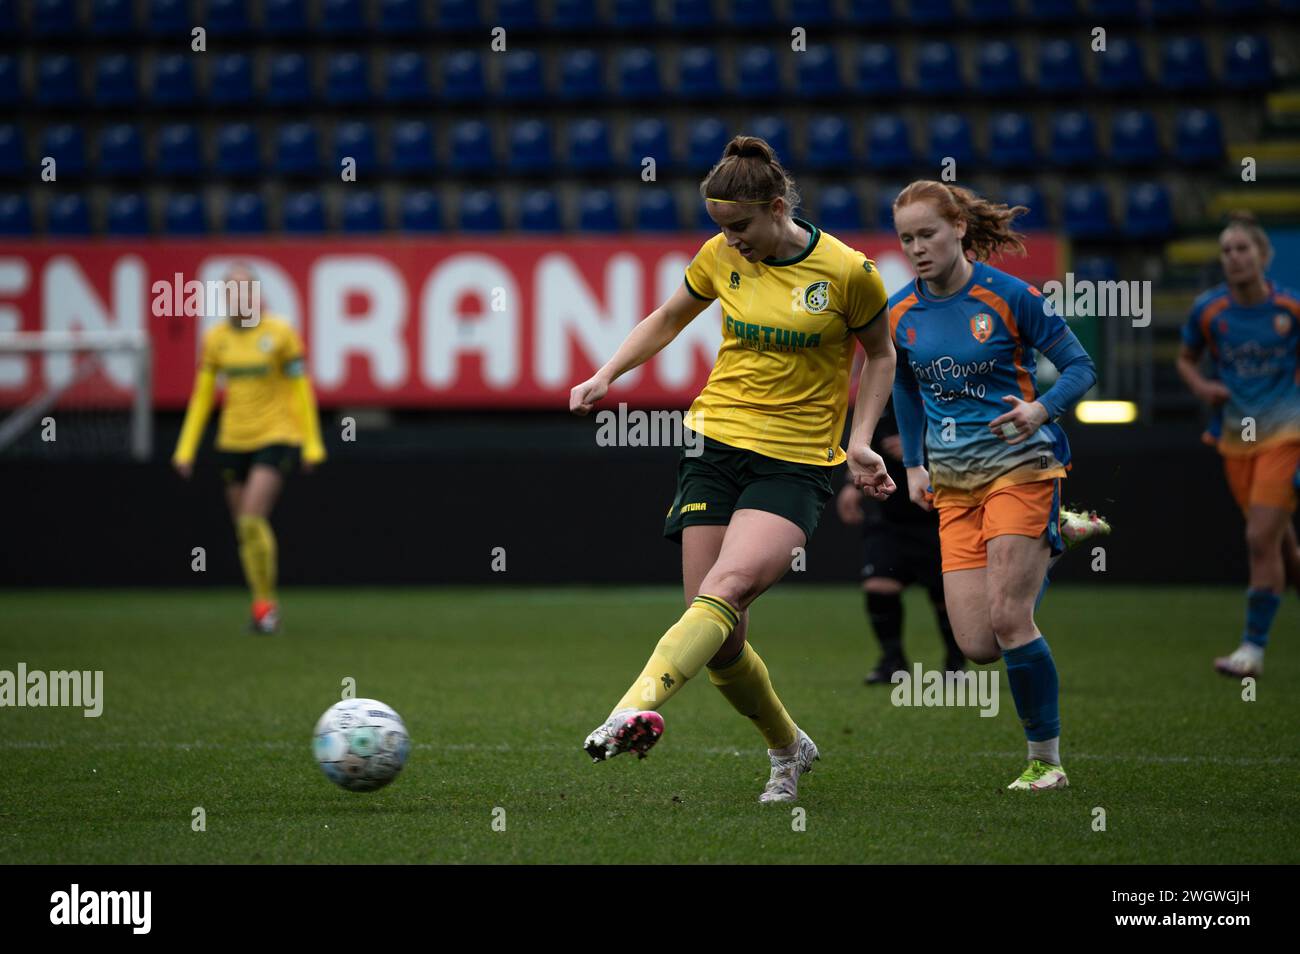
(626, 730)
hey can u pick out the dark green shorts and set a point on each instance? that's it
(235, 465)
(724, 479)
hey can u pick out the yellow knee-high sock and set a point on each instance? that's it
(682, 652)
(747, 686)
(257, 554)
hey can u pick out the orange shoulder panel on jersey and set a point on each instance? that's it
(898, 311)
(999, 304)
(1290, 304)
(1208, 314)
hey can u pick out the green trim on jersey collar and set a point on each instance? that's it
(812, 244)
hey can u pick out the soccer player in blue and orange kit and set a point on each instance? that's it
(966, 398)
(1252, 329)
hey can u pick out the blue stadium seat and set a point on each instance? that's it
(1247, 63)
(11, 86)
(289, 83)
(878, 73)
(412, 148)
(68, 216)
(522, 78)
(171, 81)
(889, 143)
(774, 131)
(66, 145)
(638, 74)
(54, 17)
(1198, 137)
(1052, 11)
(284, 17)
(1011, 141)
(589, 148)
(1113, 11)
(1060, 70)
(58, 81)
(169, 19)
(180, 151)
(1134, 139)
(356, 140)
(872, 12)
(703, 221)
(403, 18)
(539, 211)
(231, 81)
(226, 18)
(1238, 8)
(13, 152)
(458, 15)
(344, 17)
(1086, 214)
(950, 137)
(999, 69)
(752, 13)
(597, 211)
(471, 147)
(1147, 211)
(656, 211)
(632, 15)
(128, 214)
(840, 210)
(649, 138)
(938, 70)
(934, 13)
(112, 18)
(698, 68)
(407, 79)
(1097, 268)
(817, 72)
(480, 211)
(297, 150)
(517, 15)
(1074, 140)
(462, 78)
(574, 15)
(885, 205)
(1185, 66)
(1120, 68)
(363, 212)
(185, 214)
(758, 75)
(238, 150)
(690, 15)
(1176, 9)
(8, 18)
(304, 213)
(15, 214)
(705, 139)
(809, 13)
(530, 147)
(581, 77)
(245, 214)
(421, 211)
(830, 145)
(991, 11)
(121, 152)
(347, 79)
(1032, 198)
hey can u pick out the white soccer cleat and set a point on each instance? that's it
(783, 785)
(626, 730)
(1246, 660)
(1080, 526)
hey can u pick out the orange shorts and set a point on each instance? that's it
(1027, 510)
(1265, 478)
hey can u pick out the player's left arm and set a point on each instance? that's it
(866, 315)
(313, 449)
(1042, 329)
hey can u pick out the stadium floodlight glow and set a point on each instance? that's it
(1107, 412)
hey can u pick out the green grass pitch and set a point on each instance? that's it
(499, 686)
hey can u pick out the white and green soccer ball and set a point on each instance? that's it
(361, 744)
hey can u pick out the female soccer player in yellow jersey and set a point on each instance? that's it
(981, 444)
(769, 421)
(268, 418)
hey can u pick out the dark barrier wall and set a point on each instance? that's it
(428, 505)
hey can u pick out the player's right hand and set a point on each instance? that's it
(585, 395)
(849, 505)
(1214, 393)
(918, 487)
(184, 468)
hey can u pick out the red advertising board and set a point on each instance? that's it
(447, 323)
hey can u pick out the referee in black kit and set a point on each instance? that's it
(900, 546)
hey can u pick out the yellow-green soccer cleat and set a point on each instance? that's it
(1040, 776)
(1080, 526)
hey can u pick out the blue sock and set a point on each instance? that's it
(1261, 607)
(1031, 671)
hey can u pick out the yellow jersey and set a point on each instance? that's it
(259, 365)
(780, 384)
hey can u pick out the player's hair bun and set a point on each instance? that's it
(1242, 217)
(749, 147)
